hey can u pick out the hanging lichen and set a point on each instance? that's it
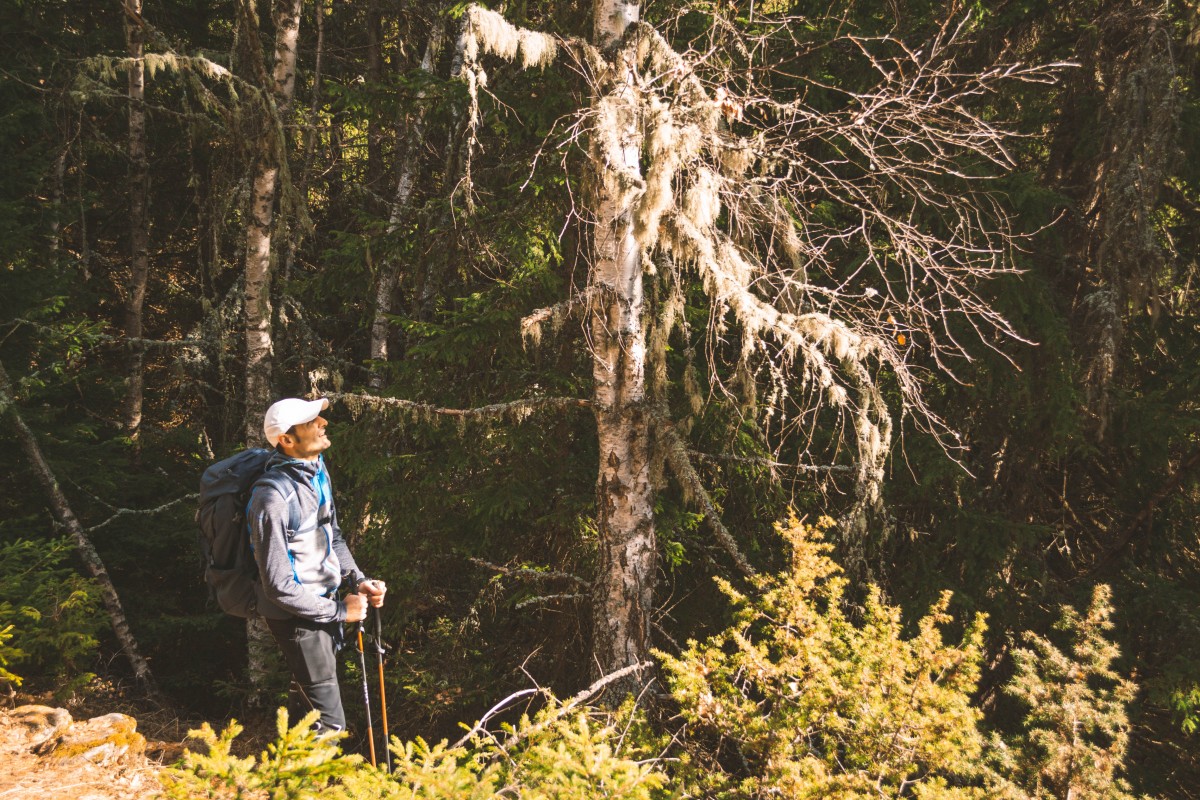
(717, 194)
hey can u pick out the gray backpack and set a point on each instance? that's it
(229, 567)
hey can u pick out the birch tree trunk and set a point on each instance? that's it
(139, 235)
(259, 350)
(374, 78)
(83, 545)
(385, 284)
(624, 584)
(310, 137)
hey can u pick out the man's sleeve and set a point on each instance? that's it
(268, 536)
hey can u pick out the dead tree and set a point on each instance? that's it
(700, 173)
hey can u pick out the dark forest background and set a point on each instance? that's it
(1076, 462)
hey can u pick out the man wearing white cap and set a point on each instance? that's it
(303, 559)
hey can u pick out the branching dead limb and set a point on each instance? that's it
(550, 598)
(527, 573)
(516, 411)
(558, 713)
(127, 512)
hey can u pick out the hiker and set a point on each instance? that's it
(303, 560)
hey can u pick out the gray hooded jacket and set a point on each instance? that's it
(302, 558)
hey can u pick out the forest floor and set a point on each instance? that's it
(132, 775)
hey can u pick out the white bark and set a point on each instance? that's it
(139, 234)
(767, 264)
(259, 349)
(385, 285)
(310, 134)
(623, 593)
(610, 20)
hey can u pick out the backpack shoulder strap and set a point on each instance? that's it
(282, 484)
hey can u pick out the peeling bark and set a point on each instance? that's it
(623, 593)
(83, 545)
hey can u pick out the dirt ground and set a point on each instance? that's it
(25, 775)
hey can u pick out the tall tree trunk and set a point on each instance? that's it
(259, 350)
(139, 234)
(374, 78)
(310, 143)
(83, 545)
(57, 190)
(385, 285)
(624, 585)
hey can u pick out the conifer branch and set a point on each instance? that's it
(769, 463)
(1144, 517)
(108, 338)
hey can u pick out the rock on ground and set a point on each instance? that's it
(45, 755)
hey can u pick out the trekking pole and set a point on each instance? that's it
(362, 663)
(387, 750)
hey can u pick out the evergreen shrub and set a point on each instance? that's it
(804, 695)
(54, 613)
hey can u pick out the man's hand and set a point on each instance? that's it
(374, 590)
(356, 607)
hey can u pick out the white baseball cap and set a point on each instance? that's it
(290, 411)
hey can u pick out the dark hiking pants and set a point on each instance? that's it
(310, 650)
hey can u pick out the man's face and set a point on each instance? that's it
(305, 441)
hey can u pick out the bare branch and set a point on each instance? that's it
(555, 315)
(516, 411)
(479, 726)
(576, 701)
(106, 338)
(551, 598)
(527, 573)
(125, 512)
